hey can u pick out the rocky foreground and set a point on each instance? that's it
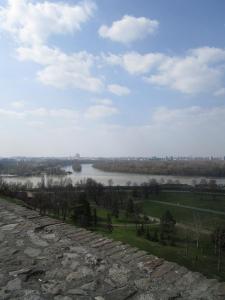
(42, 258)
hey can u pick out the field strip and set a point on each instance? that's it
(206, 210)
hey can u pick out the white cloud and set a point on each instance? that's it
(100, 111)
(103, 101)
(36, 124)
(62, 113)
(62, 70)
(129, 29)
(175, 116)
(40, 113)
(32, 23)
(200, 70)
(119, 90)
(169, 131)
(220, 92)
(102, 108)
(196, 131)
(18, 104)
(11, 113)
(190, 130)
(135, 63)
(41, 54)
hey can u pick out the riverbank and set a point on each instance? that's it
(194, 168)
(114, 178)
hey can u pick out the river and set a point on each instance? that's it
(117, 178)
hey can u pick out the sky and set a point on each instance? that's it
(112, 78)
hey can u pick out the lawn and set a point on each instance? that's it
(122, 219)
(203, 259)
(183, 215)
(200, 200)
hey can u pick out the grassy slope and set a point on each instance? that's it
(206, 262)
(200, 200)
(187, 216)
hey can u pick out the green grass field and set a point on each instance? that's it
(199, 200)
(202, 259)
(188, 216)
(122, 219)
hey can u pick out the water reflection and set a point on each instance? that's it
(117, 178)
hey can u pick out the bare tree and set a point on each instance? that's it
(197, 227)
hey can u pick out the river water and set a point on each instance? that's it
(117, 178)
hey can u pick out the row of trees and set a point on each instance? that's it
(214, 168)
(165, 233)
(32, 167)
(64, 200)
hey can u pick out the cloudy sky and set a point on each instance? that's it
(112, 77)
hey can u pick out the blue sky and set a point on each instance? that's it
(112, 78)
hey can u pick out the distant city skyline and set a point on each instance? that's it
(112, 78)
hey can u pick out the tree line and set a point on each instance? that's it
(211, 168)
(33, 167)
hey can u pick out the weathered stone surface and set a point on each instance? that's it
(36, 240)
(78, 292)
(81, 273)
(99, 298)
(42, 258)
(19, 243)
(146, 296)
(62, 298)
(32, 295)
(143, 284)
(14, 285)
(70, 260)
(21, 271)
(52, 287)
(8, 227)
(119, 274)
(2, 236)
(32, 252)
(50, 236)
(121, 293)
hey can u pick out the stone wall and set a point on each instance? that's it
(42, 258)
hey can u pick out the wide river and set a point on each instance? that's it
(117, 178)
